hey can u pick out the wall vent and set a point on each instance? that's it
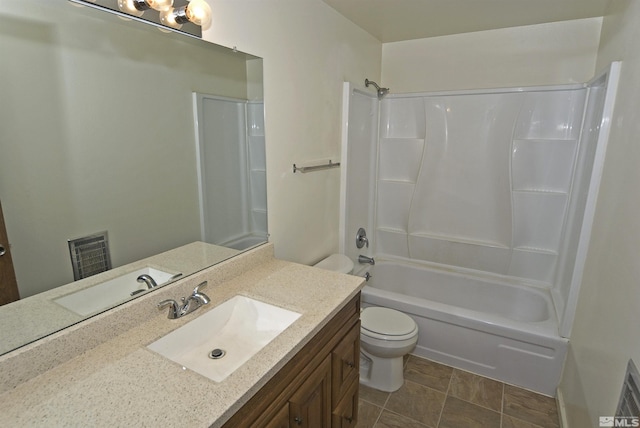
(629, 404)
(89, 255)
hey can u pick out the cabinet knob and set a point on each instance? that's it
(350, 364)
(349, 419)
(2, 250)
(298, 420)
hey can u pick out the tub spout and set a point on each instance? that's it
(364, 259)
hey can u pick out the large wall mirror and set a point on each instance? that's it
(107, 125)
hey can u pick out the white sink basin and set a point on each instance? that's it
(109, 293)
(240, 327)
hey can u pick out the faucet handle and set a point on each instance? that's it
(200, 296)
(361, 238)
(199, 286)
(174, 310)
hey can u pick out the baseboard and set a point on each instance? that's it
(562, 411)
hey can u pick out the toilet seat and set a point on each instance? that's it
(386, 324)
(337, 263)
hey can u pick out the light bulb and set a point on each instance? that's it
(128, 7)
(160, 5)
(168, 18)
(199, 12)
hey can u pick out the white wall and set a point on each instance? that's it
(308, 50)
(605, 331)
(543, 54)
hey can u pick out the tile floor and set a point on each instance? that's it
(438, 396)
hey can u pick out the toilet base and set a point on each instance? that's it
(384, 374)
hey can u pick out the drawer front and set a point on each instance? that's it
(345, 414)
(310, 405)
(345, 360)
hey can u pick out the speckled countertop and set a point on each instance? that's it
(39, 315)
(119, 382)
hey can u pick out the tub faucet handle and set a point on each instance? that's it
(361, 238)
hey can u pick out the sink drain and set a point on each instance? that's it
(217, 354)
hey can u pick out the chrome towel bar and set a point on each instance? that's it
(304, 169)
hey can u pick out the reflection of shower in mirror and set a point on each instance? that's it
(230, 150)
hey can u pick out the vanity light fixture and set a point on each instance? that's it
(196, 11)
(137, 7)
(128, 7)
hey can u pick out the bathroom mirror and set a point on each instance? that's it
(97, 133)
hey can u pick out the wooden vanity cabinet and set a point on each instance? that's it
(345, 413)
(310, 405)
(318, 387)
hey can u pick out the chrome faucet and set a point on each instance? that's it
(361, 238)
(364, 259)
(189, 304)
(151, 283)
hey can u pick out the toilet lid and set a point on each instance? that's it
(386, 321)
(337, 263)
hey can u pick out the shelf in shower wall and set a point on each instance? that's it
(393, 204)
(402, 118)
(537, 250)
(532, 263)
(259, 220)
(459, 240)
(386, 180)
(400, 158)
(541, 191)
(460, 251)
(392, 241)
(546, 140)
(391, 230)
(545, 165)
(537, 219)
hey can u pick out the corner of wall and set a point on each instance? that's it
(572, 403)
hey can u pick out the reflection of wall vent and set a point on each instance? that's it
(629, 404)
(89, 255)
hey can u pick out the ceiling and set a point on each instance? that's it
(397, 20)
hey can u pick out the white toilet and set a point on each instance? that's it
(386, 336)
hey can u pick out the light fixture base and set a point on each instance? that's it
(141, 5)
(180, 15)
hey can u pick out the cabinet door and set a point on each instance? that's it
(345, 361)
(345, 414)
(310, 405)
(281, 419)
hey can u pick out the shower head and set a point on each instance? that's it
(381, 91)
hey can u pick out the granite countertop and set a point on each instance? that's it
(37, 316)
(120, 382)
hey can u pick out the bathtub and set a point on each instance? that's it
(480, 323)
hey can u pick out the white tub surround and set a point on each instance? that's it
(496, 327)
(501, 180)
(107, 376)
(500, 184)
